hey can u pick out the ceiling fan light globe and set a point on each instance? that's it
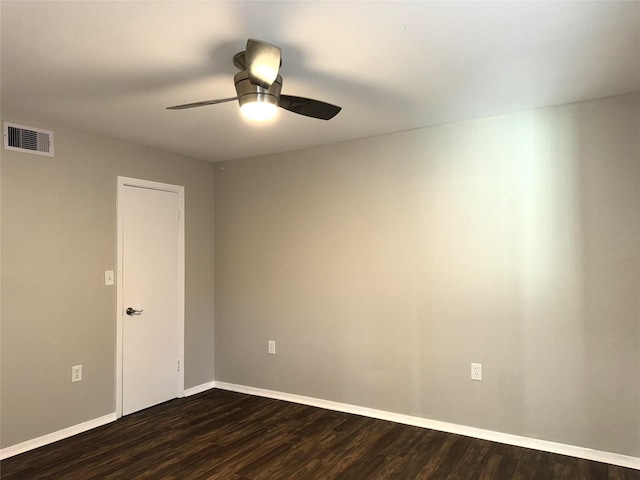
(259, 111)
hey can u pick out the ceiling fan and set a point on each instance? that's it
(258, 86)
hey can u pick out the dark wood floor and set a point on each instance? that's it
(231, 436)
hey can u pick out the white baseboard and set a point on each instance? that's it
(55, 436)
(82, 427)
(199, 389)
(506, 438)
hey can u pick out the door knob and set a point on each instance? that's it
(132, 311)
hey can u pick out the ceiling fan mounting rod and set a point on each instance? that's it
(239, 60)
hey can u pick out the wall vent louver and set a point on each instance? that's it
(28, 139)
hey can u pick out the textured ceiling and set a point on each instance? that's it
(112, 67)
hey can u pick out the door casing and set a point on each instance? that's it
(135, 182)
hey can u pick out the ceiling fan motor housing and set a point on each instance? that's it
(248, 92)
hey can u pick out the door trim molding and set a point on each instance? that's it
(165, 187)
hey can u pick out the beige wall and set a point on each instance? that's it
(58, 238)
(382, 267)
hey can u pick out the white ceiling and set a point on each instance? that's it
(112, 67)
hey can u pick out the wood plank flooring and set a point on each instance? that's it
(224, 435)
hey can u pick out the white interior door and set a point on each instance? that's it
(151, 301)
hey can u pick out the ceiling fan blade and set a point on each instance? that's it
(309, 107)
(262, 61)
(201, 104)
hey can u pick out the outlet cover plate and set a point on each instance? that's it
(476, 372)
(76, 373)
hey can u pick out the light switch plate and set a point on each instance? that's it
(108, 277)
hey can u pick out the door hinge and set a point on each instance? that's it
(178, 215)
(178, 364)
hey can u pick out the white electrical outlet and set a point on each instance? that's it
(76, 373)
(272, 347)
(476, 371)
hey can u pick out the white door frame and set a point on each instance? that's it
(135, 182)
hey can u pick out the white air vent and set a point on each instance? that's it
(28, 139)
